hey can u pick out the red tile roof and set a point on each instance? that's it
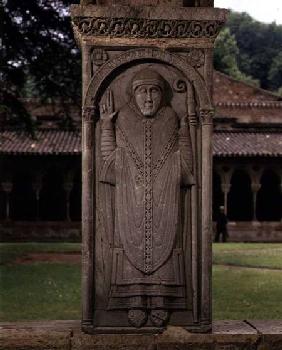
(230, 90)
(46, 142)
(247, 144)
(59, 142)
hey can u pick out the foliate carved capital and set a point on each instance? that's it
(146, 28)
(76, 34)
(196, 57)
(88, 114)
(206, 116)
(99, 57)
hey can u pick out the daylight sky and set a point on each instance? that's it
(262, 10)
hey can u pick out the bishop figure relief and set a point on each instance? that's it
(146, 157)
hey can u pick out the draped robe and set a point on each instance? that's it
(148, 168)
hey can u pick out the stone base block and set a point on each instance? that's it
(66, 335)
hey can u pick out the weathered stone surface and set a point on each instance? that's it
(66, 335)
(177, 338)
(270, 334)
(162, 12)
(267, 326)
(147, 166)
(83, 341)
(190, 3)
(234, 335)
(53, 335)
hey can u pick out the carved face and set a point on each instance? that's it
(148, 98)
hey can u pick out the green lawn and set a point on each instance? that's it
(38, 290)
(10, 251)
(51, 290)
(268, 255)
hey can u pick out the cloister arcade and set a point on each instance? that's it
(248, 192)
(40, 198)
(41, 192)
(48, 190)
(251, 193)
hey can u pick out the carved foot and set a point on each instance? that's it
(159, 317)
(137, 318)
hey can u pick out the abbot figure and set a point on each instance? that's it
(147, 157)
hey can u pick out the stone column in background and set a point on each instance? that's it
(37, 186)
(255, 188)
(68, 186)
(7, 187)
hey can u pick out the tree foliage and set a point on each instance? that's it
(226, 57)
(275, 72)
(39, 55)
(259, 49)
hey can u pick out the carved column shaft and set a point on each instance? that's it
(194, 197)
(88, 212)
(206, 126)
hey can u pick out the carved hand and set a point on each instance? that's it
(107, 108)
(108, 142)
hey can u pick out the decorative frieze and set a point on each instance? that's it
(146, 28)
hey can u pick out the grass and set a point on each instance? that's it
(262, 255)
(51, 290)
(41, 290)
(11, 251)
(241, 294)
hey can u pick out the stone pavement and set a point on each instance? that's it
(66, 335)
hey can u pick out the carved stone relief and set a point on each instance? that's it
(99, 57)
(146, 28)
(146, 161)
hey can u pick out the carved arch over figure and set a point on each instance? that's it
(140, 55)
(199, 224)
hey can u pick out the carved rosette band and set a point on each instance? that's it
(146, 28)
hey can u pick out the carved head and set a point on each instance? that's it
(148, 88)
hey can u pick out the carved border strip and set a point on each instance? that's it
(148, 194)
(146, 28)
(134, 156)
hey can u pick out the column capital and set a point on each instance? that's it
(225, 187)
(68, 186)
(255, 186)
(7, 186)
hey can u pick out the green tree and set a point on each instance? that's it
(275, 72)
(258, 43)
(39, 55)
(226, 57)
